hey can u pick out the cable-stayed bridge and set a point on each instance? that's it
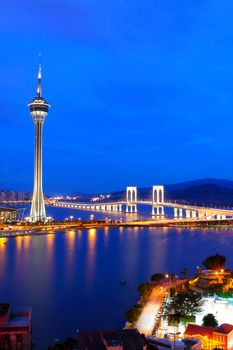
(157, 203)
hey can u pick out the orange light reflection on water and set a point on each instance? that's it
(71, 238)
(3, 247)
(70, 253)
(91, 253)
(19, 243)
(106, 237)
(50, 245)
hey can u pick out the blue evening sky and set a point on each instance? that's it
(141, 92)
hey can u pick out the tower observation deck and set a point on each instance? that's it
(39, 110)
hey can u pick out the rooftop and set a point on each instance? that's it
(12, 317)
(194, 329)
(12, 210)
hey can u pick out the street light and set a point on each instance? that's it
(174, 335)
(168, 275)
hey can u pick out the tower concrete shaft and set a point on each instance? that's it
(39, 110)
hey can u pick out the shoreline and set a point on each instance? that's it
(58, 227)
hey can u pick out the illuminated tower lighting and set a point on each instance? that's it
(39, 110)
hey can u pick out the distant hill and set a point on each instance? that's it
(207, 194)
(187, 184)
(215, 192)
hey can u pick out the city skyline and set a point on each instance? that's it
(135, 102)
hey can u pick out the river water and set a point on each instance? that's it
(71, 279)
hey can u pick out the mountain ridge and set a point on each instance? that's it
(207, 191)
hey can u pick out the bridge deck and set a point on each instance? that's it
(223, 211)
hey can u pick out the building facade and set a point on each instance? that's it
(8, 215)
(15, 328)
(220, 337)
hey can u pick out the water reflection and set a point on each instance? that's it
(22, 245)
(106, 237)
(165, 229)
(91, 253)
(71, 253)
(26, 242)
(19, 243)
(75, 275)
(50, 242)
(3, 247)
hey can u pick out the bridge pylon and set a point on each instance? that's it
(157, 200)
(131, 199)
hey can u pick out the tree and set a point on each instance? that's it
(199, 270)
(215, 262)
(145, 290)
(156, 277)
(185, 271)
(183, 307)
(68, 344)
(209, 320)
(133, 314)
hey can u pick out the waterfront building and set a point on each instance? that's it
(39, 110)
(15, 328)
(219, 337)
(8, 215)
(208, 279)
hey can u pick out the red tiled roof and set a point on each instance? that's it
(194, 329)
(225, 328)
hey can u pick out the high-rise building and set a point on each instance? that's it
(39, 110)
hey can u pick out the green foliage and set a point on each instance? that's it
(225, 294)
(156, 277)
(215, 288)
(185, 271)
(133, 314)
(182, 306)
(172, 292)
(209, 320)
(145, 290)
(215, 262)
